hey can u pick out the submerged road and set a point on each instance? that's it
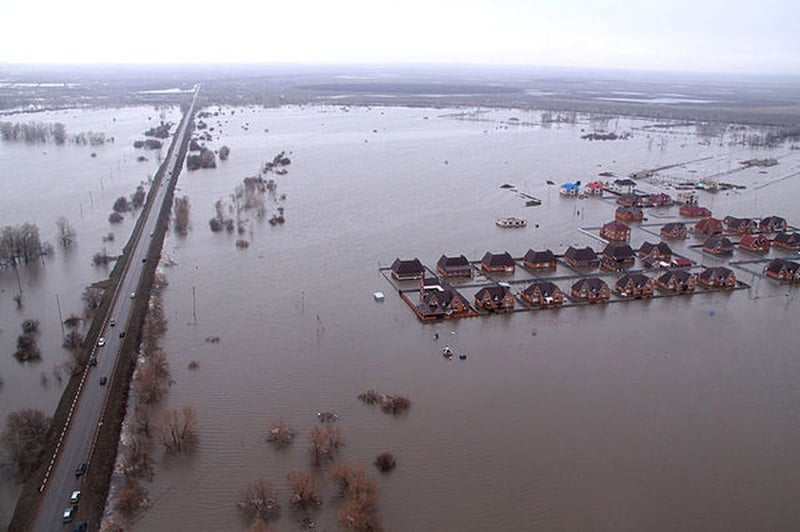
(76, 442)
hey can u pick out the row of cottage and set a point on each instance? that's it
(437, 299)
(613, 257)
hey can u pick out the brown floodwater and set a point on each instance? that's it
(675, 413)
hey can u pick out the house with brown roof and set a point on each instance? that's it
(581, 257)
(495, 298)
(591, 289)
(407, 270)
(628, 200)
(617, 256)
(498, 262)
(741, 226)
(439, 300)
(786, 271)
(709, 226)
(539, 260)
(717, 277)
(692, 210)
(543, 294)
(655, 252)
(635, 285)
(772, 224)
(789, 241)
(629, 214)
(754, 243)
(658, 200)
(674, 230)
(679, 281)
(718, 245)
(615, 231)
(454, 266)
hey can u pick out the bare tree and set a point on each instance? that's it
(181, 213)
(23, 442)
(178, 429)
(280, 434)
(303, 491)
(92, 298)
(66, 234)
(258, 501)
(324, 444)
(131, 496)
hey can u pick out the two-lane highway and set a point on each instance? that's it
(76, 443)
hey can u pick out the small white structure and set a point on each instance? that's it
(379, 297)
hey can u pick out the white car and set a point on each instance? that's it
(75, 497)
(69, 514)
(102, 341)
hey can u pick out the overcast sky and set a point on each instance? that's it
(691, 35)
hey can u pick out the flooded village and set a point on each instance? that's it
(618, 290)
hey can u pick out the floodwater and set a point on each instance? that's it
(39, 183)
(648, 415)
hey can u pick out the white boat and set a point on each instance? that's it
(511, 221)
(447, 352)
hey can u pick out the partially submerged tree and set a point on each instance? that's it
(131, 496)
(92, 298)
(66, 234)
(27, 349)
(303, 491)
(121, 205)
(280, 434)
(324, 444)
(23, 442)
(385, 462)
(258, 501)
(181, 215)
(179, 429)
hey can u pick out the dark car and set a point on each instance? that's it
(113, 322)
(93, 360)
(103, 381)
(122, 334)
(82, 526)
(80, 470)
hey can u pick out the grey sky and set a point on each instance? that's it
(700, 35)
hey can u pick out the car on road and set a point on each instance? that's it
(69, 514)
(113, 322)
(92, 360)
(80, 527)
(133, 295)
(144, 259)
(80, 470)
(75, 497)
(103, 380)
(122, 334)
(102, 341)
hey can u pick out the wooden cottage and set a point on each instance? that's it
(407, 270)
(498, 262)
(494, 298)
(789, 241)
(543, 294)
(629, 214)
(539, 260)
(674, 230)
(772, 224)
(616, 256)
(717, 277)
(754, 243)
(615, 231)
(786, 271)
(581, 257)
(709, 226)
(659, 200)
(679, 281)
(454, 266)
(741, 226)
(438, 300)
(718, 245)
(628, 200)
(591, 289)
(655, 252)
(692, 210)
(635, 285)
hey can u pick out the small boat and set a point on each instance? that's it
(447, 352)
(511, 221)
(462, 357)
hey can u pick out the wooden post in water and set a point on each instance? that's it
(194, 303)
(60, 317)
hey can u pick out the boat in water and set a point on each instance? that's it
(511, 221)
(447, 352)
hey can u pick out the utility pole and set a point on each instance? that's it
(194, 304)
(60, 317)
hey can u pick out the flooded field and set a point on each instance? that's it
(675, 413)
